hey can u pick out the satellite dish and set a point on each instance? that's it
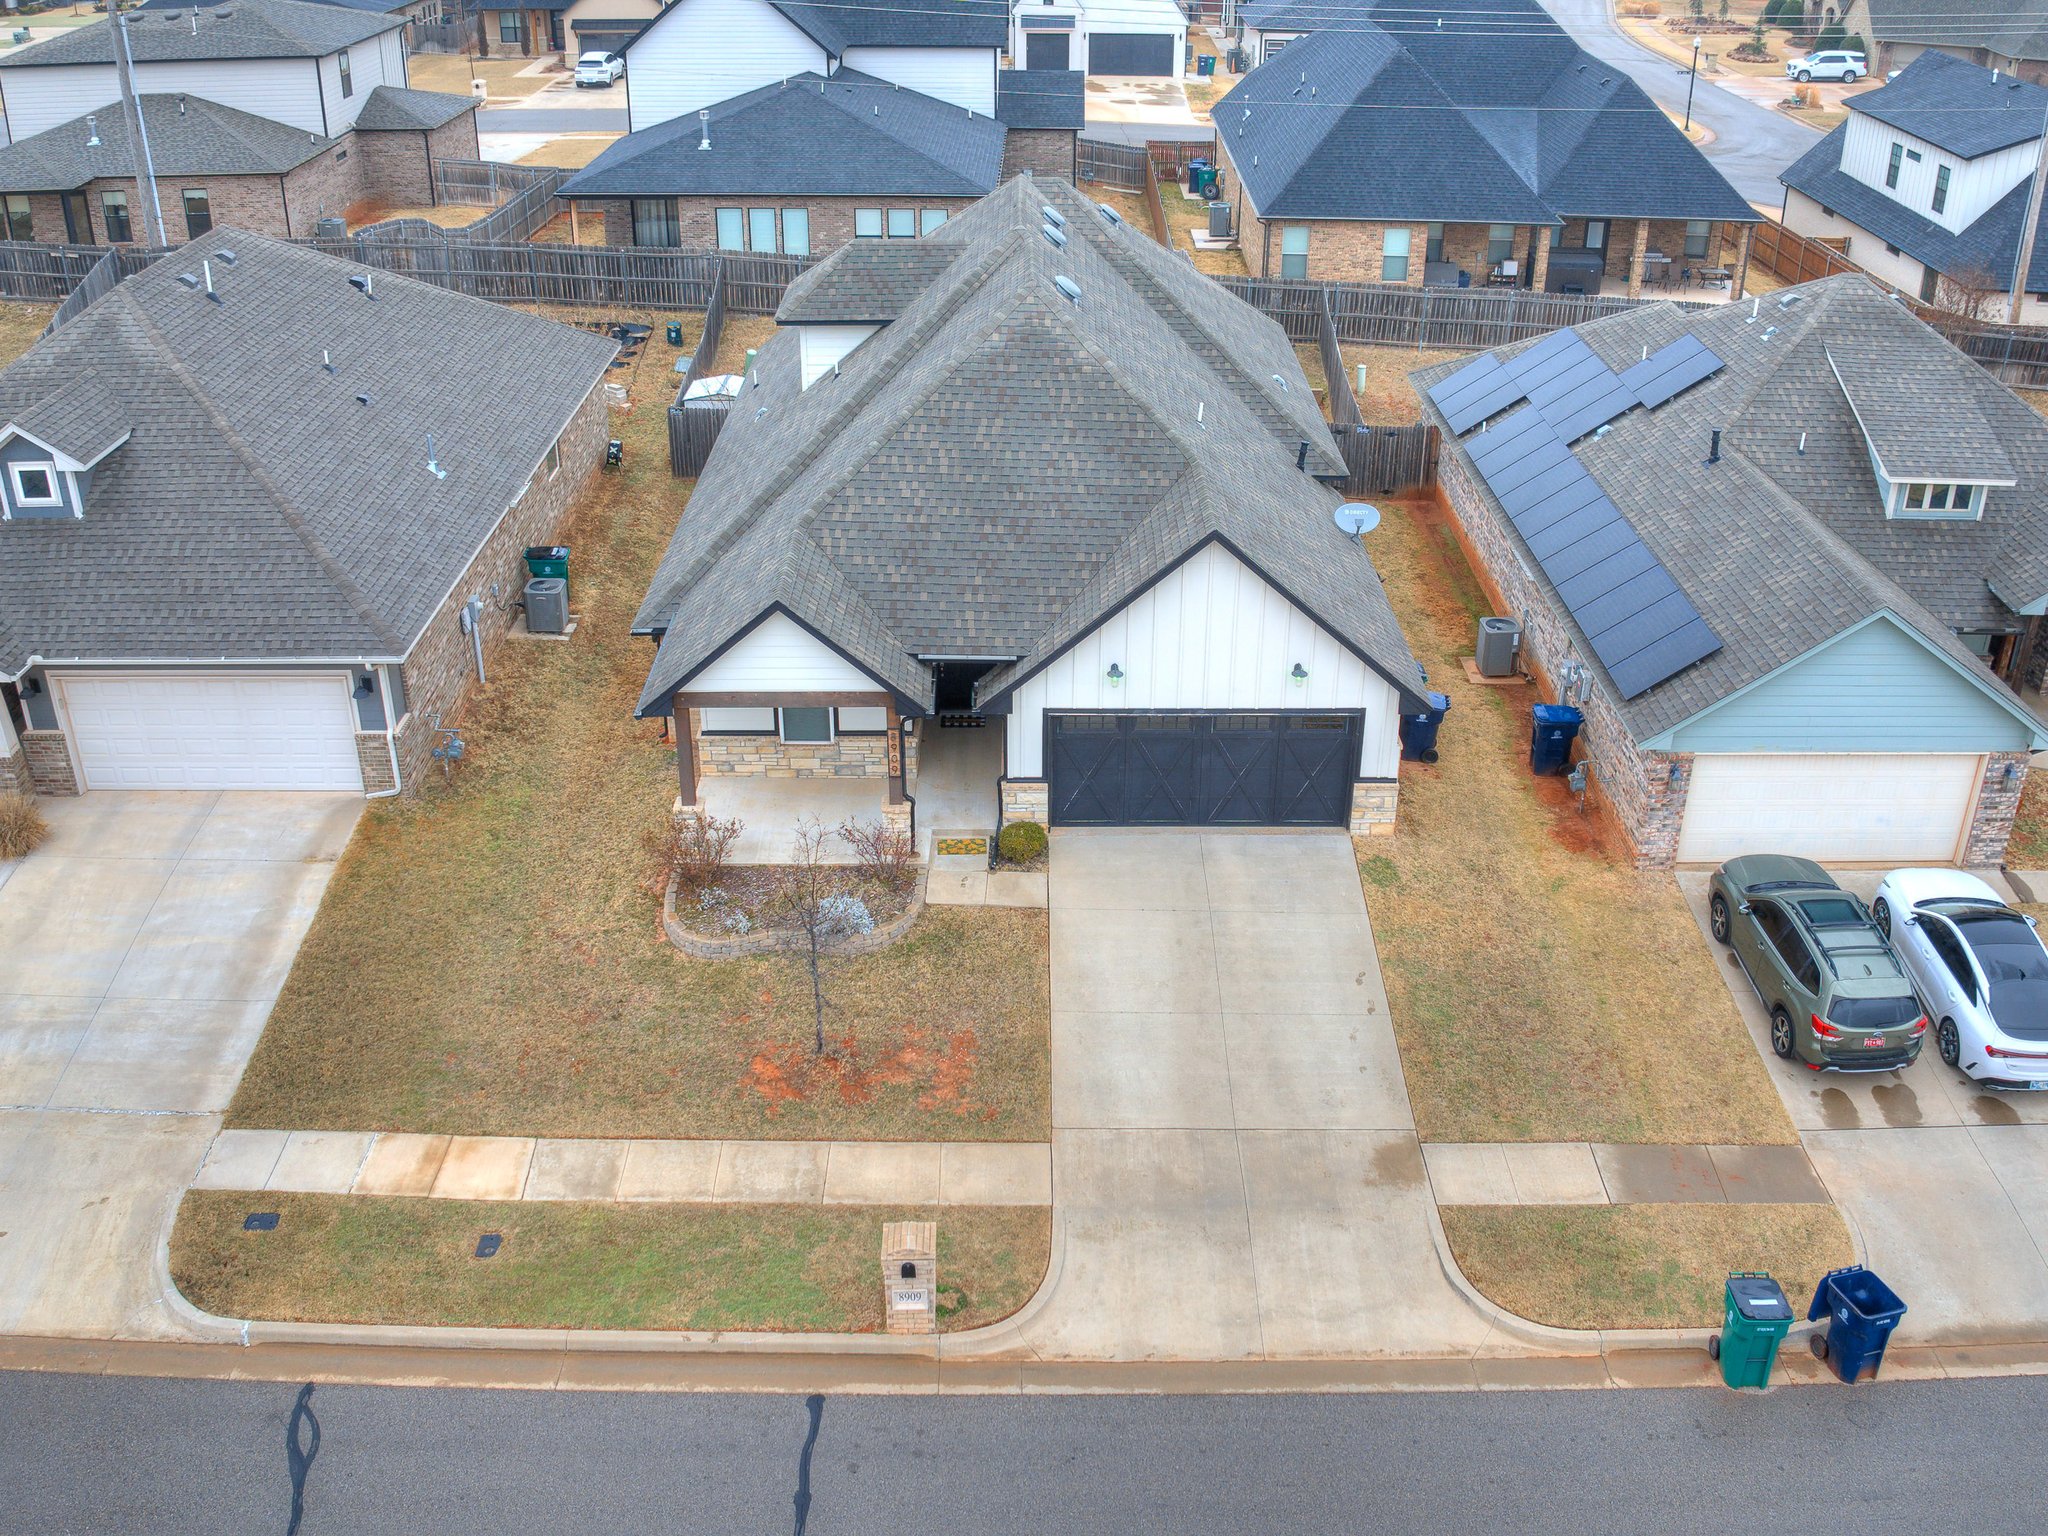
(1358, 517)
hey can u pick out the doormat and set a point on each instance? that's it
(968, 845)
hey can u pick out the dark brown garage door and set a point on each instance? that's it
(1131, 53)
(1046, 50)
(1137, 768)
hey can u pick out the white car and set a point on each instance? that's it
(1980, 970)
(599, 69)
(1845, 67)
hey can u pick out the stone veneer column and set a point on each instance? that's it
(1539, 268)
(1027, 800)
(1373, 806)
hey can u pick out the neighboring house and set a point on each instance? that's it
(214, 164)
(2009, 35)
(1100, 37)
(1929, 179)
(698, 53)
(310, 66)
(1007, 527)
(1788, 562)
(802, 166)
(1383, 153)
(431, 13)
(239, 529)
(567, 27)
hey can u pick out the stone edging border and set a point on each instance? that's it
(699, 947)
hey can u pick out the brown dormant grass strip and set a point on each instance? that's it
(785, 1268)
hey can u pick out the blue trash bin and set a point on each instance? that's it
(1861, 1311)
(1418, 731)
(1550, 739)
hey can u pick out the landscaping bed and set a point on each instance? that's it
(1639, 1266)
(747, 897)
(586, 1264)
(490, 956)
(2028, 846)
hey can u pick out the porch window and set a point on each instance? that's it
(1294, 250)
(114, 213)
(511, 26)
(198, 212)
(736, 722)
(1940, 188)
(1500, 243)
(731, 229)
(1924, 499)
(1394, 256)
(796, 231)
(867, 223)
(1596, 234)
(655, 222)
(1698, 232)
(863, 720)
(20, 223)
(805, 727)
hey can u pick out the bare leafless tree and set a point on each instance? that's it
(808, 899)
(1972, 293)
(883, 851)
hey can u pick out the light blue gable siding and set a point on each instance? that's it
(1877, 688)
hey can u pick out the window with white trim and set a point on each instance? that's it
(348, 82)
(1394, 256)
(1294, 250)
(732, 229)
(1922, 498)
(805, 727)
(35, 485)
(796, 231)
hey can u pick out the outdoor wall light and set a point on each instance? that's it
(1116, 674)
(31, 687)
(365, 686)
(1675, 777)
(2012, 774)
(1300, 675)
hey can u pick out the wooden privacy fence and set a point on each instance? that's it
(1121, 166)
(693, 429)
(521, 198)
(2018, 358)
(1795, 258)
(100, 278)
(1384, 461)
(1390, 314)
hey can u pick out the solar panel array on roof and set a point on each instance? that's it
(1670, 370)
(1475, 392)
(1634, 616)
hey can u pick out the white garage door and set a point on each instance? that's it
(1860, 808)
(197, 730)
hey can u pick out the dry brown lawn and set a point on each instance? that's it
(488, 958)
(1639, 1266)
(1542, 989)
(1388, 398)
(741, 333)
(574, 150)
(1204, 94)
(20, 325)
(447, 215)
(1129, 204)
(452, 72)
(1184, 215)
(808, 1268)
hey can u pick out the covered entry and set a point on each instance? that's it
(1201, 768)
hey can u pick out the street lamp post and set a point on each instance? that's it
(1691, 82)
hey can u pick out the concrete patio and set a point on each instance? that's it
(143, 946)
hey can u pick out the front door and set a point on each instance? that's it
(77, 219)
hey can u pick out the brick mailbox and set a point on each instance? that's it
(910, 1276)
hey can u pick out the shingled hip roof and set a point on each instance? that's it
(243, 29)
(1480, 122)
(806, 136)
(188, 136)
(1001, 466)
(265, 508)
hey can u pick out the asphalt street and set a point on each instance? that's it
(97, 1454)
(552, 119)
(1752, 144)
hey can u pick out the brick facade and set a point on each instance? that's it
(389, 167)
(1997, 802)
(1042, 152)
(441, 668)
(831, 217)
(373, 757)
(49, 762)
(14, 779)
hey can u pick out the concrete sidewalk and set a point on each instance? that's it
(547, 1168)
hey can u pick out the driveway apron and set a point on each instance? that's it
(140, 951)
(1235, 1166)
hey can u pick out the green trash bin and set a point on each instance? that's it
(1755, 1319)
(548, 560)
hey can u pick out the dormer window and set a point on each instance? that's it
(1925, 498)
(36, 485)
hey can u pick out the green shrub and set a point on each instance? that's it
(1021, 841)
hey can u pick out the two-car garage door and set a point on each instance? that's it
(200, 730)
(1132, 53)
(1901, 808)
(1201, 768)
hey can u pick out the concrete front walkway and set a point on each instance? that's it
(140, 950)
(1944, 1184)
(1235, 1168)
(1606, 1173)
(547, 1168)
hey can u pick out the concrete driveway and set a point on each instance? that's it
(1944, 1184)
(1235, 1167)
(140, 950)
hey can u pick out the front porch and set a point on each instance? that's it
(1703, 261)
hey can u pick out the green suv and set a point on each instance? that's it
(1838, 997)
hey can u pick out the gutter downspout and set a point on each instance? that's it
(390, 735)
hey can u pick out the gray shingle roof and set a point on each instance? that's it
(2014, 28)
(1918, 411)
(1783, 544)
(243, 29)
(807, 135)
(1985, 247)
(188, 136)
(81, 419)
(838, 25)
(1957, 106)
(870, 282)
(383, 7)
(260, 511)
(1477, 124)
(398, 107)
(1042, 98)
(999, 468)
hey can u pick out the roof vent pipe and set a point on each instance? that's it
(1714, 447)
(92, 130)
(703, 128)
(1301, 455)
(206, 267)
(1802, 445)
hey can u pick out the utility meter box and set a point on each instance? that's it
(910, 1276)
